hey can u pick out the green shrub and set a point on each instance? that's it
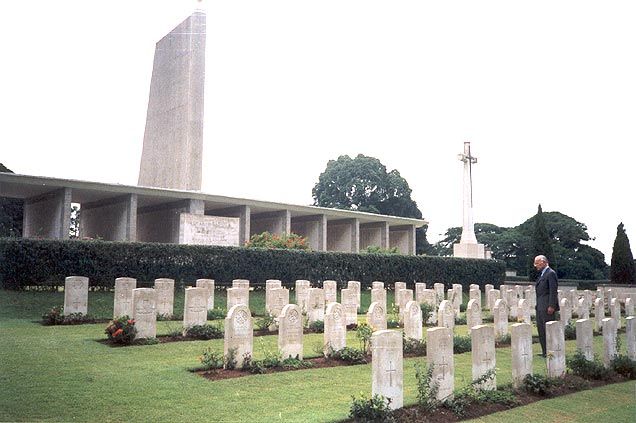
(461, 320)
(229, 360)
(488, 318)
(427, 388)
(285, 241)
(55, 316)
(121, 331)
(363, 333)
(204, 332)
(624, 366)
(412, 346)
(317, 326)
(586, 369)
(461, 344)
(211, 360)
(217, 314)
(427, 311)
(472, 393)
(371, 410)
(374, 249)
(569, 331)
(504, 339)
(265, 322)
(539, 384)
(348, 355)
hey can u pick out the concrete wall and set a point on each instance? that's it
(244, 215)
(376, 234)
(343, 235)
(112, 220)
(314, 228)
(162, 223)
(403, 237)
(173, 138)
(278, 222)
(48, 215)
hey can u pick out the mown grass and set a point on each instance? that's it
(61, 373)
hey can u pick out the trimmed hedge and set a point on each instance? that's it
(28, 262)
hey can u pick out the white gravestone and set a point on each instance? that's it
(585, 338)
(165, 296)
(404, 296)
(376, 316)
(459, 298)
(487, 288)
(482, 338)
(387, 367)
(270, 285)
(513, 304)
(531, 296)
(573, 296)
(521, 349)
(473, 286)
(75, 295)
(124, 297)
(584, 309)
(420, 287)
(450, 297)
(241, 283)
(316, 305)
(475, 294)
(493, 295)
(239, 333)
(429, 297)
(330, 289)
(439, 290)
(377, 284)
(302, 294)
(555, 344)
(565, 312)
(236, 296)
(609, 340)
(615, 311)
(630, 335)
(208, 284)
(599, 313)
(398, 286)
(523, 312)
(439, 356)
(144, 306)
(280, 298)
(413, 320)
(195, 308)
(355, 286)
(378, 295)
(335, 335)
(629, 306)
(349, 305)
(473, 315)
(446, 316)
(500, 316)
(290, 332)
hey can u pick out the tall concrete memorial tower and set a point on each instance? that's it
(173, 138)
(468, 246)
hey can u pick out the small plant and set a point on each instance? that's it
(374, 409)
(474, 394)
(538, 384)
(504, 340)
(624, 366)
(392, 318)
(460, 320)
(217, 314)
(374, 249)
(166, 317)
(229, 360)
(285, 241)
(204, 332)
(317, 326)
(427, 312)
(412, 346)
(461, 344)
(569, 331)
(348, 355)
(581, 366)
(488, 318)
(426, 388)
(363, 333)
(121, 331)
(295, 363)
(211, 360)
(265, 322)
(54, 316)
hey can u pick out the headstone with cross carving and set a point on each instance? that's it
(439, 356)
(349, 305)
(599, 313)
(355, 286)
(75, 295)
(239, 334)
(377, 284)
(482, 338)
(316, 305)
(615, 311)
(270, 285)
(241, 283)
(376, 316)
(195, 308)
(236, 296)
(473, 314)
(165, 296)
(124, 297)
(609, 340)
(585, 338)
(565, 311)
(475, 294)
(290, 332)
(630, 335)
(446, 315)
(335, 335)
(144, 312)
(378, 295)
(413, 320)
(555, 345)
(523, 311)
(439, 291)
(387, 366)
(208, 284)
(330, 289)
(500, 318)
(521, 349)
(302, 294)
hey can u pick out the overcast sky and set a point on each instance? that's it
(545, 91)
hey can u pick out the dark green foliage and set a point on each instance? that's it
(541, 244)
(285, 241)
(580, 366)
(461, 344)
(371, 410)
(265, 322)
(623, 269)
(427, 310)
(504, 339)
(473, 393)
(121, 331)
(204, 332)
(217, 314)
(25, 262)
(55, 316)
(412, 346)
(348, 355)
(460, 320)
(539, 384)
(570, 331)
(426, 388)
(624, 366)
(363, 333)
(211, 360)
(317, 326)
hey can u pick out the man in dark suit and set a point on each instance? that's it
(547, 299)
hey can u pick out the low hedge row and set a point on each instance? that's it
(28, 262)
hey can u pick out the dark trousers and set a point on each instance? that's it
(542, 318)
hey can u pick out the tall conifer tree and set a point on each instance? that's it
(540, 244)
(623, 269)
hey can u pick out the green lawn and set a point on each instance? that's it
(61, 373)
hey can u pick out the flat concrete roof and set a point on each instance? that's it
(25, 186)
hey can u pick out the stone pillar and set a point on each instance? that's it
(482, 339)
(374, 234)
(609, 340)
(162, 222)
(555, 344)
(387, 367)
(165, 296)
(124, 297)
(376, 316)
(48, 215)
(585, 338)
(314, 228)
(343, 235)
(75, 295)
(195, 308)
(290, 332)
(208, 284)
(243, 213)
(439, 356)
(239, 333)
(113, 219)
(335, 335)
(276, 222)
(145, 312)
(302, 294)
(403, 238)
(521, 348)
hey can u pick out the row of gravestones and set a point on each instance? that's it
(387, 355)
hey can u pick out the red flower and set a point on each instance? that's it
(118, 332)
